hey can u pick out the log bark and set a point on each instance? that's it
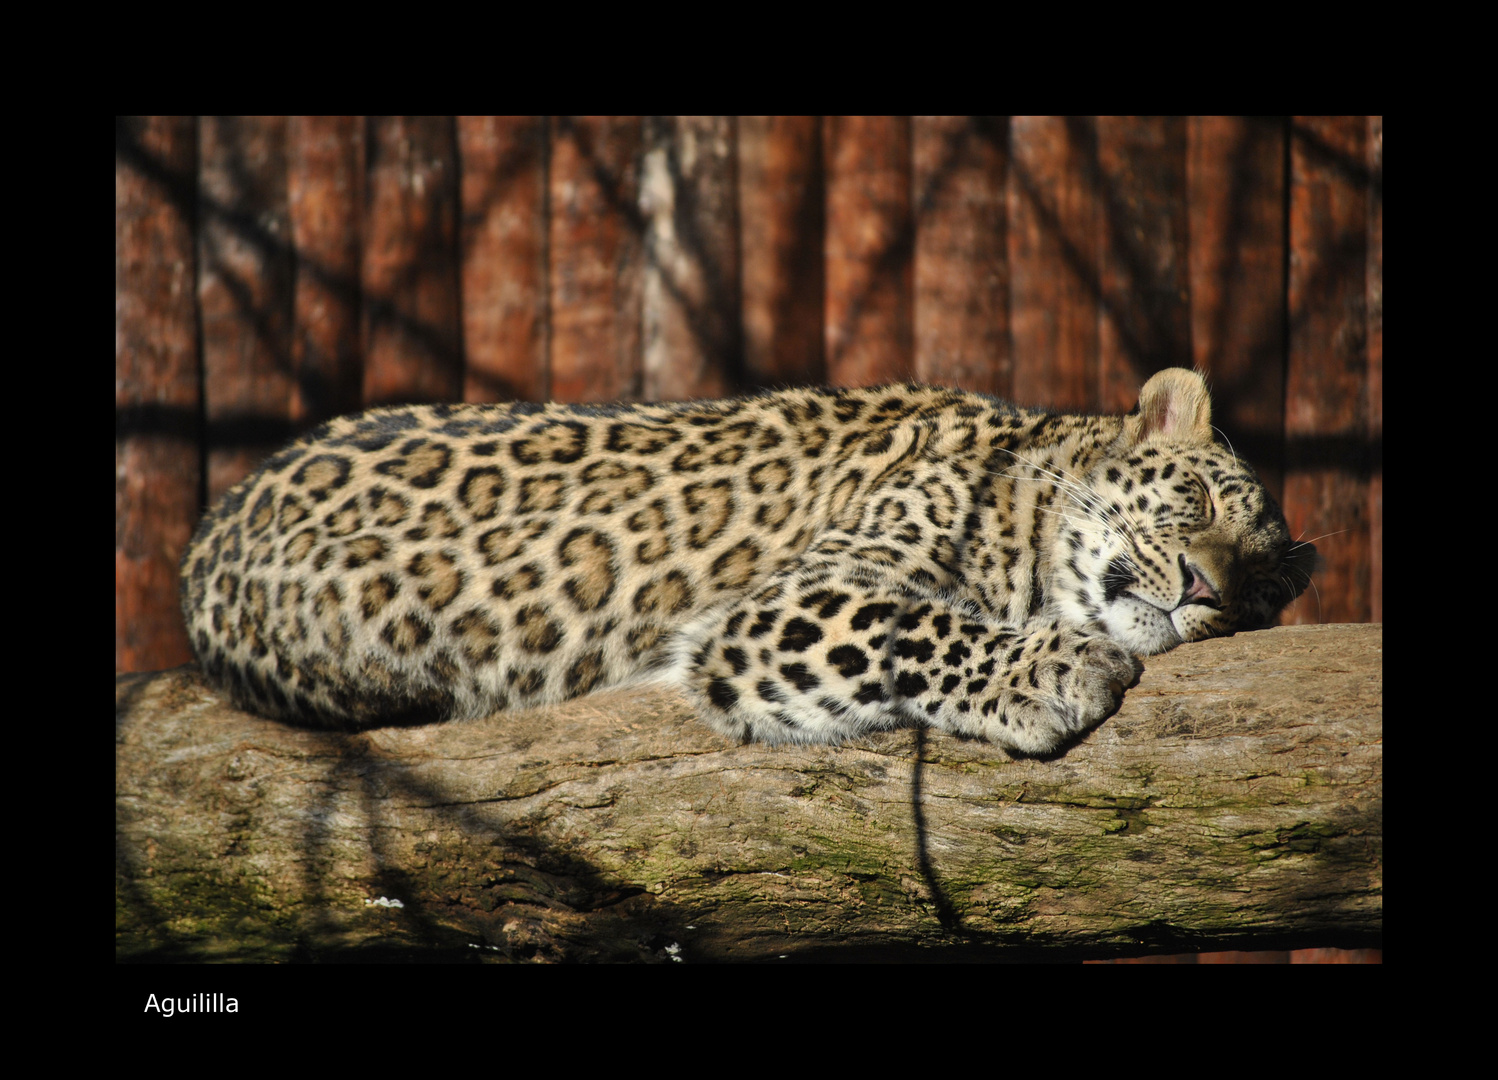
(1235, 801)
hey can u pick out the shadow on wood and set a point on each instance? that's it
(1235, 801)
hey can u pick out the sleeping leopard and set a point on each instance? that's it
(807, 564)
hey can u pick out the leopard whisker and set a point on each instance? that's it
(1229, 441)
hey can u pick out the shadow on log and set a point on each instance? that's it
(1234, 802)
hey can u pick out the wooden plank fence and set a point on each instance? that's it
(271, 272)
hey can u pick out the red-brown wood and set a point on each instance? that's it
(156, 385)
(595, 259)
(409, 274)
(325, 179)
(961, 252)
(503, 196)
(245, 292)
(782, 219)
(1293, 956)
(1236, 200)
(870, 241)
(1053, 261)
(1337, 956)
(1144, 264)
(1327, 425)
(1376, 368)
(690, 315)
(1092, 214)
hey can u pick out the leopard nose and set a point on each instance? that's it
(1199, 589)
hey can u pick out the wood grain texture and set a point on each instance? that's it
(1235, 801)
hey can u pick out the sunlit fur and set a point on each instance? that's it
(806, 564)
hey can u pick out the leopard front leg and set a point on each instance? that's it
(1031, 690)
(821, 656)
(779, 666)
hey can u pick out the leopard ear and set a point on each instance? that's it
(1174, 406)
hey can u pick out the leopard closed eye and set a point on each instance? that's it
(806, 564)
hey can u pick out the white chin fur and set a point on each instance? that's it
(1140, 627)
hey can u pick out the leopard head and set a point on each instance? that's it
(1172, 538)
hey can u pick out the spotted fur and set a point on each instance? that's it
(807, 564)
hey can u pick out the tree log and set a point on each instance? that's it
(1234, 801)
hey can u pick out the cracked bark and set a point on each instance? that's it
(1235, 801)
